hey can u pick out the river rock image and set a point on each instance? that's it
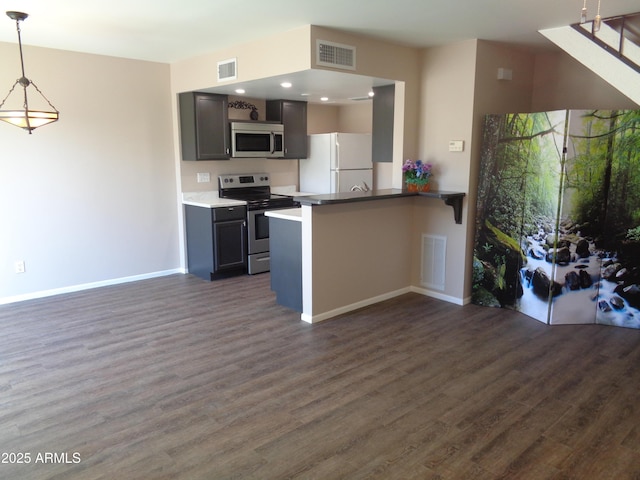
(558, 216)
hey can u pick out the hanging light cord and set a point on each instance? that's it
(24, 81)
(24, 78)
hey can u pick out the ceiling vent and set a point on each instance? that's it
(336, 55)
(227, 70)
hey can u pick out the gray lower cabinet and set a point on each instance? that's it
(285, 245)
(216, 241)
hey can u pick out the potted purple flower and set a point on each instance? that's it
(417, 175)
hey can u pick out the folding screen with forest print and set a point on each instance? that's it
(558, 216)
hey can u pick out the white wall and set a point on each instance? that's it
(561, 82)
(353, 253)
(446, 114)
(90, 199)
(355, 118)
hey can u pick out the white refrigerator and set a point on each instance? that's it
(337, 162)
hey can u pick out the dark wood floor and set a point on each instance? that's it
(177, 378)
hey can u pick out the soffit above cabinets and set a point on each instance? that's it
(340, 88)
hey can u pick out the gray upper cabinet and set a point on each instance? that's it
(204, 126)
(293, 115)
(382, 128)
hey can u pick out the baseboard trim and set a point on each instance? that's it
(440, 296)
(87, 286)
(353, 306)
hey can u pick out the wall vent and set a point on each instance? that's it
(336, 55)
(227, 70)
(434, 250)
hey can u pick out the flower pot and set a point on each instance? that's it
(418, 187)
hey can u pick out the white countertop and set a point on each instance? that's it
(293, 214)
(290, 191)
(209, 199)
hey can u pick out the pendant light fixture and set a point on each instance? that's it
(26, 118)
(597, 22)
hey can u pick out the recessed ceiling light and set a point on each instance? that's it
(324, 99)
(239, 90)
(304, 94)
(285, 84)
(371, 93)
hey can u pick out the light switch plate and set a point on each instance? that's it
(203, 177)
(456, 145)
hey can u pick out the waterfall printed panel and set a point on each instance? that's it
(557, 233)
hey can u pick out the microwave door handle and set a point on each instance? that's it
(273, 143)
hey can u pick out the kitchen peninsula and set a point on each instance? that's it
(354, 249)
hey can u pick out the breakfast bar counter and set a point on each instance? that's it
(343, 251)
(453, 199)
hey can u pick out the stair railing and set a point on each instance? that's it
(627, 30)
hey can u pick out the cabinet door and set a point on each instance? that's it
(204, 126)
(229, 245)
(199, 241)
(383, 119)
(293, 115)
(285, 243)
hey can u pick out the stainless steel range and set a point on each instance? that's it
(255, 189)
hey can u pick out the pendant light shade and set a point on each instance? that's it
(28, 119)
(25, 117)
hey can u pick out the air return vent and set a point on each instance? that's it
(434, 250)
(336, 55)
(227, 70)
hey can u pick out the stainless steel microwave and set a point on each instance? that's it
(257, 140)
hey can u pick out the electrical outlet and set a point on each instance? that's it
(203, 177)
(20, 266)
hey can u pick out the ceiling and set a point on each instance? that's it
(170, 30)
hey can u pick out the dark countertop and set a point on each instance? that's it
(453, 199)
(350, 197)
